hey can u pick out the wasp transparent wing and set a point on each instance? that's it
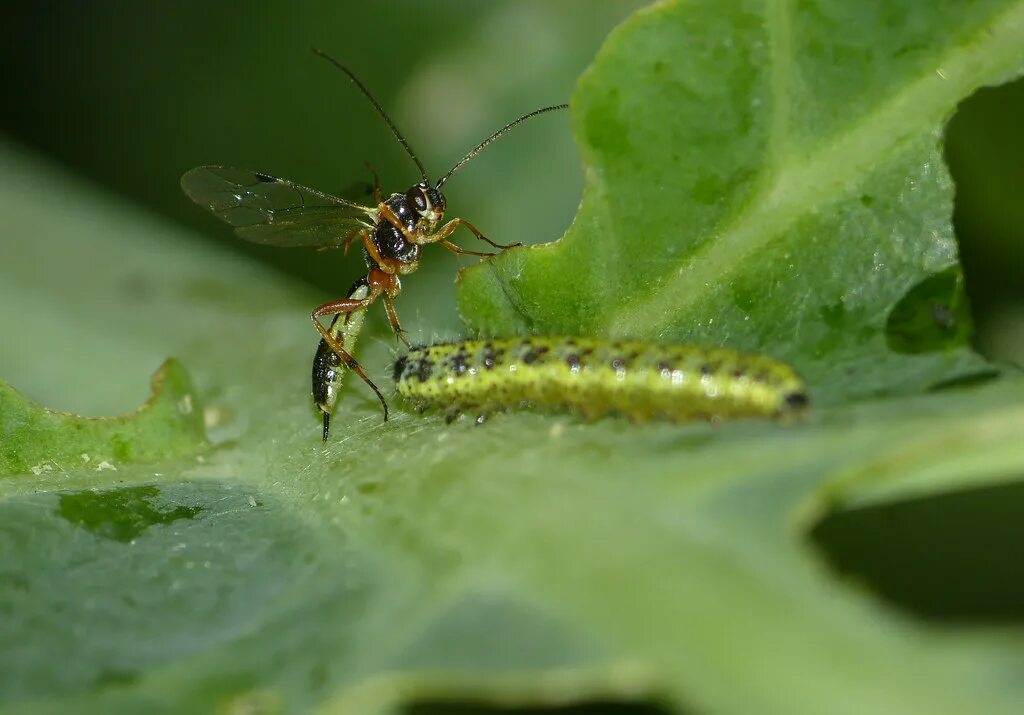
(273, 211)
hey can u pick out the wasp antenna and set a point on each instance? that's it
(376, 105)
(493, 137)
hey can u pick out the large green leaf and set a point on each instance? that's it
(767, 177)
(535, 560)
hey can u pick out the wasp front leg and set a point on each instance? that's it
(449, 228)
(463, 251)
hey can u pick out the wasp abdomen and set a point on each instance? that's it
(325, 375)
(328, 367)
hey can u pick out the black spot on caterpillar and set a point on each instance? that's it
(641, 381)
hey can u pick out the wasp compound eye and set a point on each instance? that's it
(417, 198)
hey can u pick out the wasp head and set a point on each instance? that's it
(428, 201)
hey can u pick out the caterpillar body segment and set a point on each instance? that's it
(593, 377)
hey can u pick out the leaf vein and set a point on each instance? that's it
(841, 160)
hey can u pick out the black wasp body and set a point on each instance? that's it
(267, 209)
(390, 241)
(420, 209)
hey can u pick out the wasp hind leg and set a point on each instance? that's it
(352, 364)
(345, 305)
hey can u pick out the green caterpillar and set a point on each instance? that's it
(641, 381)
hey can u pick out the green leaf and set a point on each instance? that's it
(535, 560)
(36, 439)
(769, 177)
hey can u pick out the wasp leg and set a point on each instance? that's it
(377, 195)
(449, 228)
(389, 307)
(346, 305)
(352, 365)
(343, 305)
(352, 236)
(463, 251)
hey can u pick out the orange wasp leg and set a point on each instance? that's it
(343, 305)
(462, 251)
(352, 236)
(449, 228)
(389, 306)
(377, 195)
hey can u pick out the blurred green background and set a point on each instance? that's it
(131, 95)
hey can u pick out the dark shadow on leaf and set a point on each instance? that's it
(952, 557)
(972, 380)
(932, 316)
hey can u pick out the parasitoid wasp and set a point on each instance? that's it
(269, 210)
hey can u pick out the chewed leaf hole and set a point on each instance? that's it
(953, 557)
(35, 439)
(932, 316)
(440, 707)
